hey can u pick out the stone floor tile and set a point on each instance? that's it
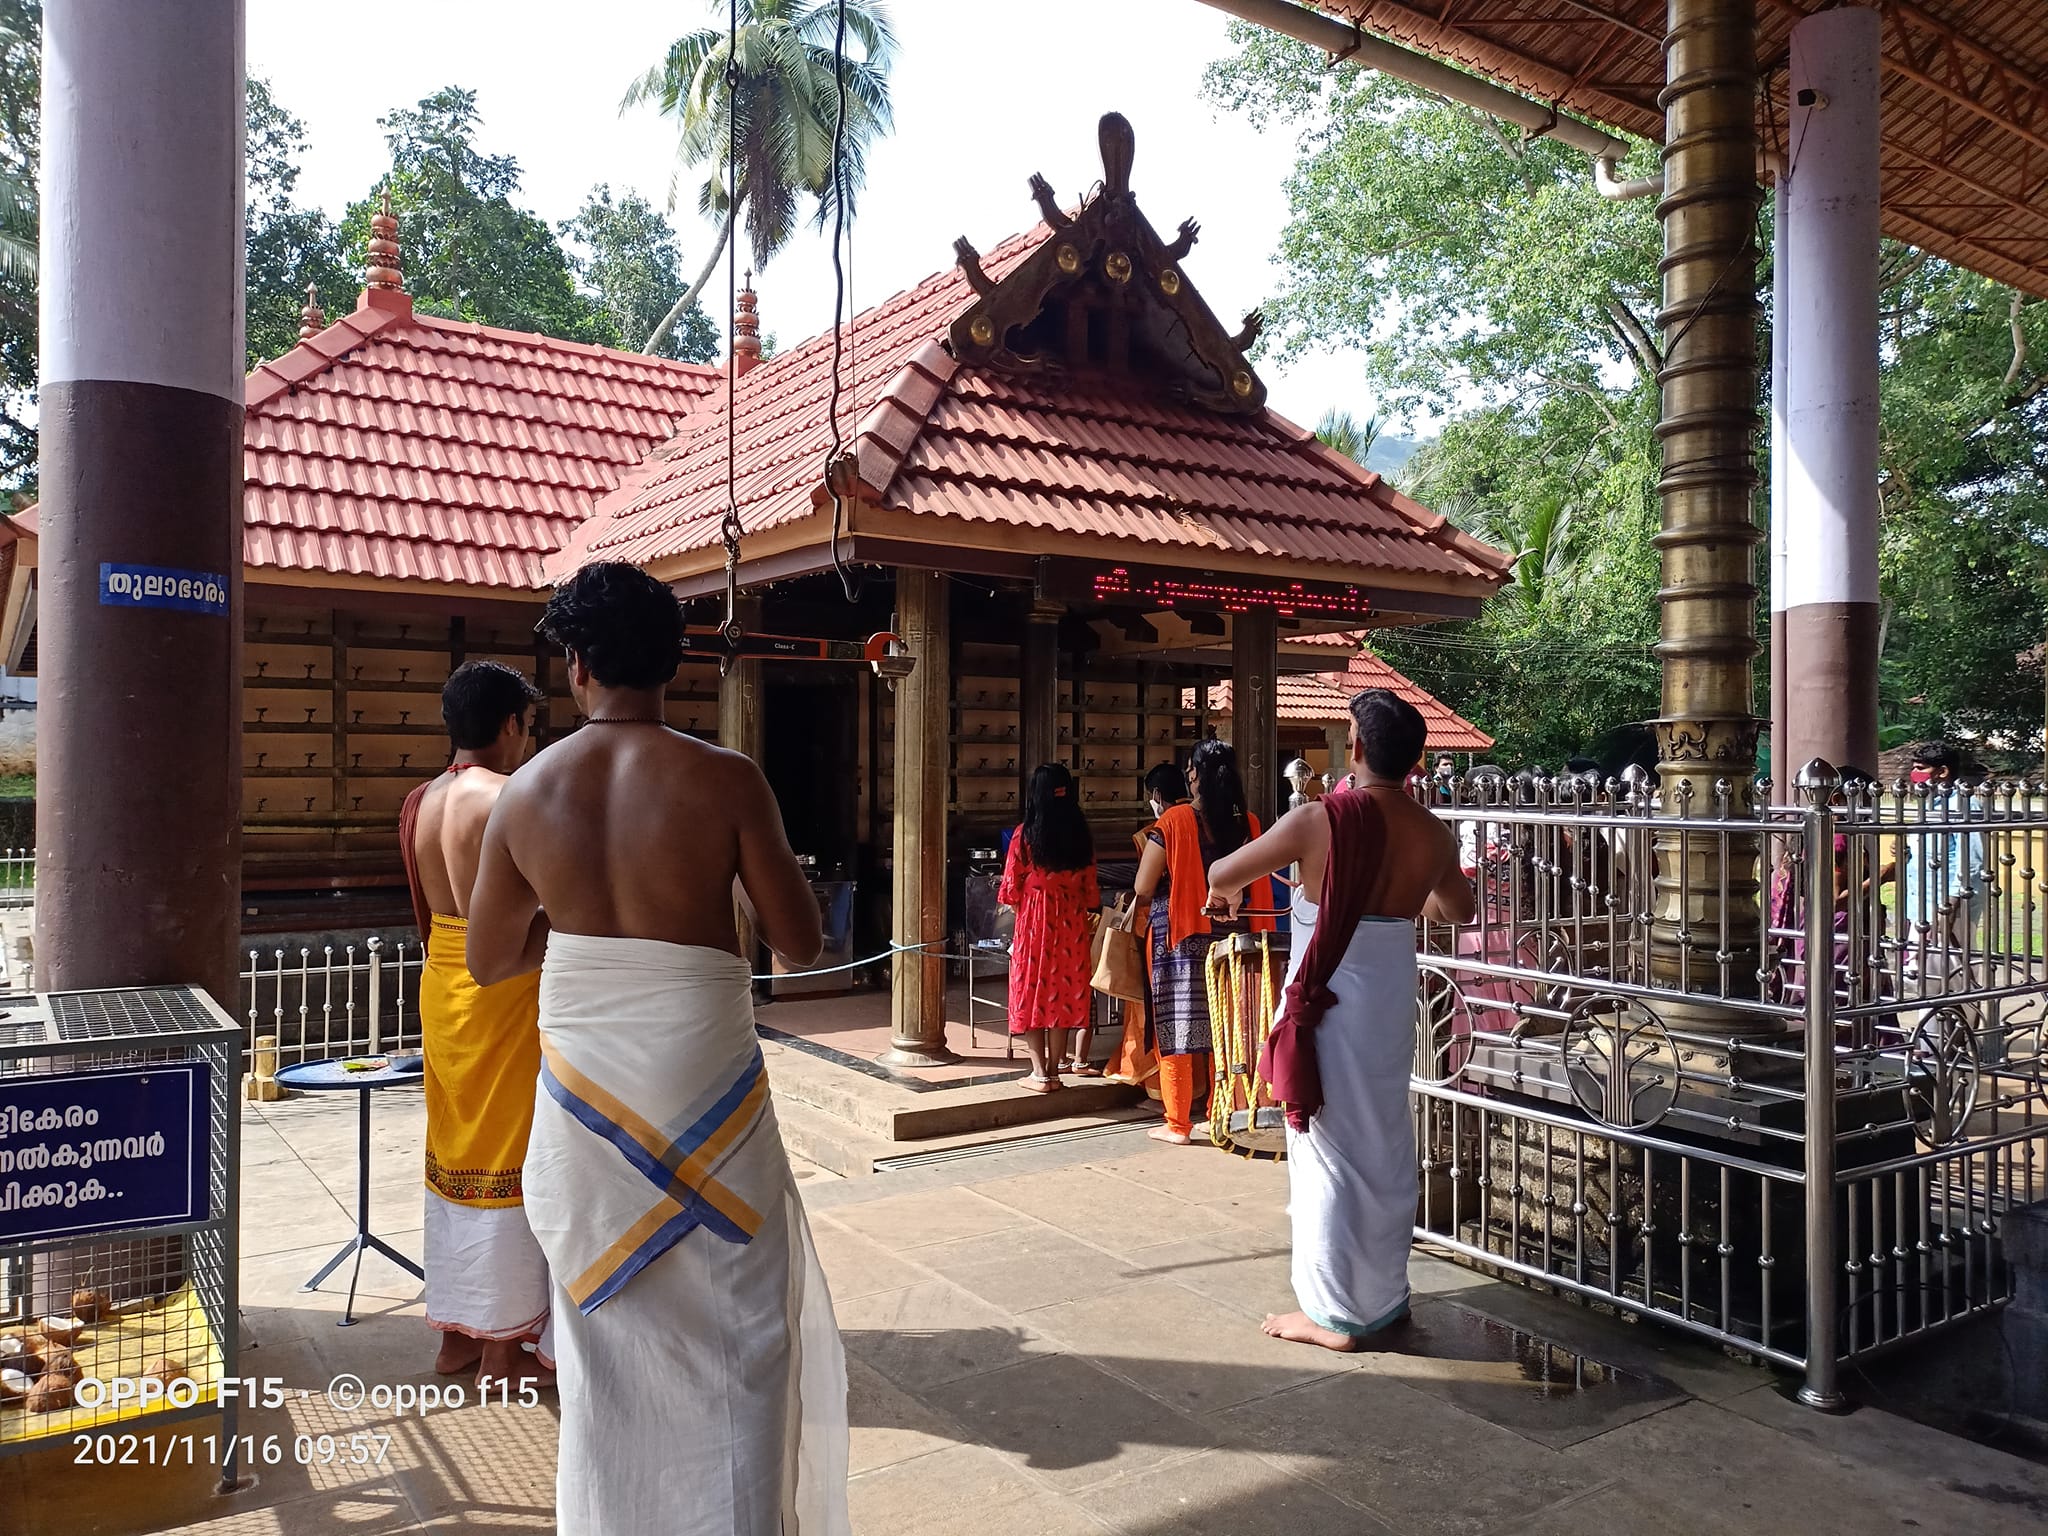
(1872, 1437)
(1069, 1423)
(1514, 1379)
(1226, 1494)
(1190, 1351)
(1026, 1267)
(1621, 1507)
(964, 1490)
(1198, 1173)
(1423, 1466)
(888, 1424)
(1101, 1209)
(1703, 1369)
(901, 1223)
(484, 1463)
(857, 1266)
(929, 1334)
(1245, 1271)
(1745, 1477)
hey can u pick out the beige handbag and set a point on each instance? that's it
(1119, 954)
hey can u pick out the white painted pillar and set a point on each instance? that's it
(1831, 396)
(1783, 771)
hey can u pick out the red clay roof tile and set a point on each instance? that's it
(1068, 455)
(1322, 698)
(415, 448)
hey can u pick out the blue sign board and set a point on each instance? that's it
(153, 586)
(103, 1151)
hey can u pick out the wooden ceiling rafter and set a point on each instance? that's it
(1966, 96)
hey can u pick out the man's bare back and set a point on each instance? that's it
(1417, 874)
(449, 835)
(1420, 860)
(632, 830)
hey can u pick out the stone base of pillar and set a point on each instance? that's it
(908, 1054)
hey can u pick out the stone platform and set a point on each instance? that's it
(1061, 1339)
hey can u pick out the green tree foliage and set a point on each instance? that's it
(287, 246)
(467, 251)
(1964, 554)
(21, 59)
(1487, 285)
(624, 254)
(782, 113)
(1348, 435)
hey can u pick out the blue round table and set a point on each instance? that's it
(333, 1076)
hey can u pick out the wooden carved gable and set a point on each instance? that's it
(1104, 294)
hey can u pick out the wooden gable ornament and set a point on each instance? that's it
(1104, 294)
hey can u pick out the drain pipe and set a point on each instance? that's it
(1346, 43)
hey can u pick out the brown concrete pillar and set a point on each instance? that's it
(1038, 693)
(740, 729)
(917, 1003)
(1254, 721)
(138, 833)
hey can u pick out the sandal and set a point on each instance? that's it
(1043, 1084)
(1084, 1069)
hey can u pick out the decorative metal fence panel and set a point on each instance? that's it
(17, 877)
(338, 1000)
(1629, 1087)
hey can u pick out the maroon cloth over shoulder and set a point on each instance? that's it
(408, 828)
(1358, 838)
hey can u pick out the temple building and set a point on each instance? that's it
(1058, 481)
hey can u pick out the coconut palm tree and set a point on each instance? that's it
(1341, 430)
(1543, 538)
(787, 102)
(21, 46)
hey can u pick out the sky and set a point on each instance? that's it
(986, 92)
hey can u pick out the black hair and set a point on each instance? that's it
(1056, 834)
(1938, 754)
(477, 700)
(626, 626)
(1580, 766)
(1168, 783)
(1219, 796)
(1391, 730)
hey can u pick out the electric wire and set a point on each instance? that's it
(849, 579)
(730, 527)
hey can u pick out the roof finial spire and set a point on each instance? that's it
(311, 320)
(383, 250)
(746, 328)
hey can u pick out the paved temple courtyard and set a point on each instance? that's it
(1058, 1338)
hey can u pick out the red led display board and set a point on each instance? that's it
(1212, 591)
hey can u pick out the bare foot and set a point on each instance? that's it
(1170, 1136)
(504, 1361)
(1297, 1327)
(458, 1353)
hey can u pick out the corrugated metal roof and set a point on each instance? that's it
(981, 453)
(408, 447)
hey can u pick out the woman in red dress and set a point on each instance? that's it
(1050, 879)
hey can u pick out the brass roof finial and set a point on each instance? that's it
(746, 327)
(383, 249)
(311, 320)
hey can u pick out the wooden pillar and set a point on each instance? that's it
(917, 1006)
(740, 727)
(1255, 722)
(1338, 739)
(1038, 694)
